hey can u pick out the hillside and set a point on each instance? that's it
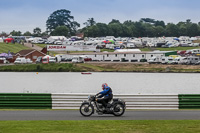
(14, 48)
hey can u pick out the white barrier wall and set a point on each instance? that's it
(73, 101)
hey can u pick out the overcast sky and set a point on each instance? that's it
(25, 15)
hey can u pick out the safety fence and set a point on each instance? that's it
(189, 101)
(73, 101)
(25, 101)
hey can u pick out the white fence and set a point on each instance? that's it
(73, 101)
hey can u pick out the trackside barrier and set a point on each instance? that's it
(73, 101)
(25, 101)
(189, 101)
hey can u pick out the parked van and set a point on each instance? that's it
(154, 60)
(167, 60)
(77, 59)
(180, 60)
(22, 61)
(52, 60)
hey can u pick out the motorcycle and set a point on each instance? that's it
(115, 106)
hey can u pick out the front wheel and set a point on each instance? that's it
(118, 109)
(86, 109)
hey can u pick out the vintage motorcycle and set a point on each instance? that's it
(115, 106)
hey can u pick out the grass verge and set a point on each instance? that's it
(101, 67)
(108, 126)
(4, 48)
(58, 67)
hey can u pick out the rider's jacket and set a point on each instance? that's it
(107, 92)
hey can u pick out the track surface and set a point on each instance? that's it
(75, 115)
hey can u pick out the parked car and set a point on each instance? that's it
(87, 59)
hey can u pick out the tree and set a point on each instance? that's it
(160, 23)
(115, 29)
(27, 33)
(16, 33)
(147, 20)
(102, 29)
(60, 31)
(90, 22)
(172, 30)
(62, 18)
(114, 21)
(37, 32)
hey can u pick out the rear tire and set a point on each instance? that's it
(118, 109)
(86, 109)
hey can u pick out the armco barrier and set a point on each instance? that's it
(25, 101)
(189, 101)
(73, 101)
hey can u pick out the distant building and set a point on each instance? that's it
(30, 53)
(81, 35)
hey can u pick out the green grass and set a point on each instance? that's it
(58, 67)
(105, 126)
(42, 45)
(4, 48)
(169, 49)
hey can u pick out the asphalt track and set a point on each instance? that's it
(75, 115)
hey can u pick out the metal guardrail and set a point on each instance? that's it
(25, 101)
(189, 101)
(73, 101)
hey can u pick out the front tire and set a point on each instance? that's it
(86, 109)
(118, 109)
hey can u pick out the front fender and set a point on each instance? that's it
(83, 102)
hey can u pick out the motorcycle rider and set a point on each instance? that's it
(105, 96)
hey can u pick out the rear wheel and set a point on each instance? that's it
(86, 109)
(118, 109)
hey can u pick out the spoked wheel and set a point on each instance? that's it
(118, 109)
(86, 109)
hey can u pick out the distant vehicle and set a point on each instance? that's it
(167, 60)
(197, 63)
(87, 59)
(52, 60)
(183, 61)
(181, 52)
(4, 60)
(58, 42)
(38, 60)
(8, 40)
(45, 59)
(180, 60)
(154, 60)
(78, 59)
(192, 60)
(22, 61)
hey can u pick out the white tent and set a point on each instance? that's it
(56, 38)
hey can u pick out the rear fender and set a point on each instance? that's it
(119, 102)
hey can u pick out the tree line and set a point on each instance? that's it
(62, 23)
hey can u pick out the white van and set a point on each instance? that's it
(77, 59)
(180, 60)
(22, 61)
(167, 60)
(154, 60)
(52, 59)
